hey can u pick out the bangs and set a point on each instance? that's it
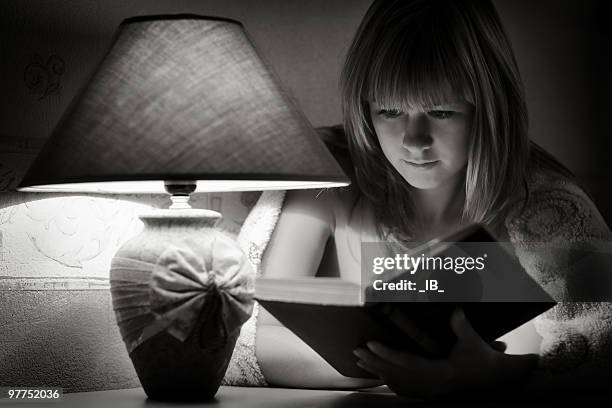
(418, 54)
(417, 71)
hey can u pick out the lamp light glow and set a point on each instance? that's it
(157, 186)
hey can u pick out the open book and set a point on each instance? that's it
(334, 316)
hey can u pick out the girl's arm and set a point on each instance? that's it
(295, 250)
(297, 244)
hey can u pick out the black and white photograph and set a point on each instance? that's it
(316, 203)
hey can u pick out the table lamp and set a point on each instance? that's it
(179, 104)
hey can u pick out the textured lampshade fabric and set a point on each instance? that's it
(183, 98)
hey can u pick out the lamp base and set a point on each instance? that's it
(170, 369)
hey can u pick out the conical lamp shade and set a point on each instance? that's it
(182, 98)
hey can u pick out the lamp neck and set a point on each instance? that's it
(179, 191)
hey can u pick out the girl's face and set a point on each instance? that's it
(428, 147)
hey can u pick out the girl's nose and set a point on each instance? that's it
(417, 133)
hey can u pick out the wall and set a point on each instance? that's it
(56, 323)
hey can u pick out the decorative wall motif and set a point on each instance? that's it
(42, 77)
(77, 236)
(65, 236)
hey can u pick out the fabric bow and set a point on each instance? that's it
(188, 281)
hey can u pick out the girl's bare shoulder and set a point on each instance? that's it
(329, 202)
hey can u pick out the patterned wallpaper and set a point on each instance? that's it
(76, 237)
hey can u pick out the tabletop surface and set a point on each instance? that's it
(246, 397)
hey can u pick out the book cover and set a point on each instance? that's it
(334, 317)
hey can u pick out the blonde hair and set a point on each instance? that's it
(418, 53)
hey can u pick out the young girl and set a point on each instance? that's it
(436, 126)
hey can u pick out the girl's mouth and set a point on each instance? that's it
(422, 164)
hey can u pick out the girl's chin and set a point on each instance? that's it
(429, 180)
(425, 183)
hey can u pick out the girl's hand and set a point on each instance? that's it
(473, 365)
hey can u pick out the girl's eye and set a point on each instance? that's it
(441, 114)
(389, 113)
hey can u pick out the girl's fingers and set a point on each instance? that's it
(499, 346)
(365, 366)
(372, 360)
(414, 332)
